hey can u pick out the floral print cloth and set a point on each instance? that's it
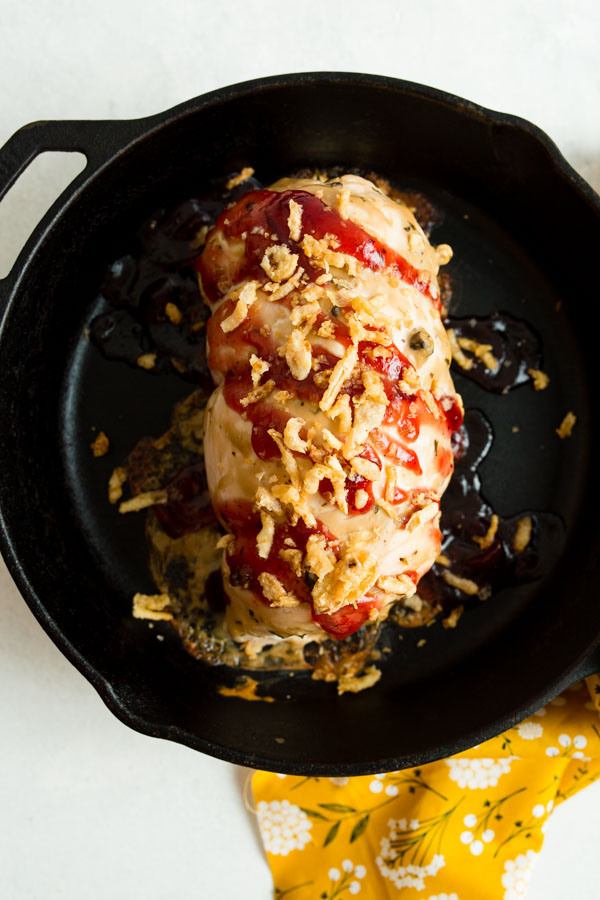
(465, 828)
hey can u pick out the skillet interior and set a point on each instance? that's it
(78, 562)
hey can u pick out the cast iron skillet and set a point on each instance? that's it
(530, 239)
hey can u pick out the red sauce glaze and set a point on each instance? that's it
(269, 210)
(396, 451)
(452, 411)
(246, 565)
(262, 443)
(436, 536)
(405, 411)
(346, 620)
(390, 367)
(229, 354)
(263, 415)
(355, 483)
(444, 461)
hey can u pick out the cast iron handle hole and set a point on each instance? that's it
(31, 196)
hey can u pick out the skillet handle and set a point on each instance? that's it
(98, 141)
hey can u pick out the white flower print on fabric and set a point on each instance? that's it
(283, 827)
(475, 845)
(529, 731)
(376, 786)
(346, 880)
(410, 876)
(478, 773)
(444, 897)
(340, 782)
(569, 747)
(517, 873)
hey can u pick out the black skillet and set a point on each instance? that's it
(525, 230)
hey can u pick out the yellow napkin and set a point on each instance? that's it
(465, 828)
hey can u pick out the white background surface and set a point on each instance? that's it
(88, 808)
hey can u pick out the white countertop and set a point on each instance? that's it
(88, 808)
